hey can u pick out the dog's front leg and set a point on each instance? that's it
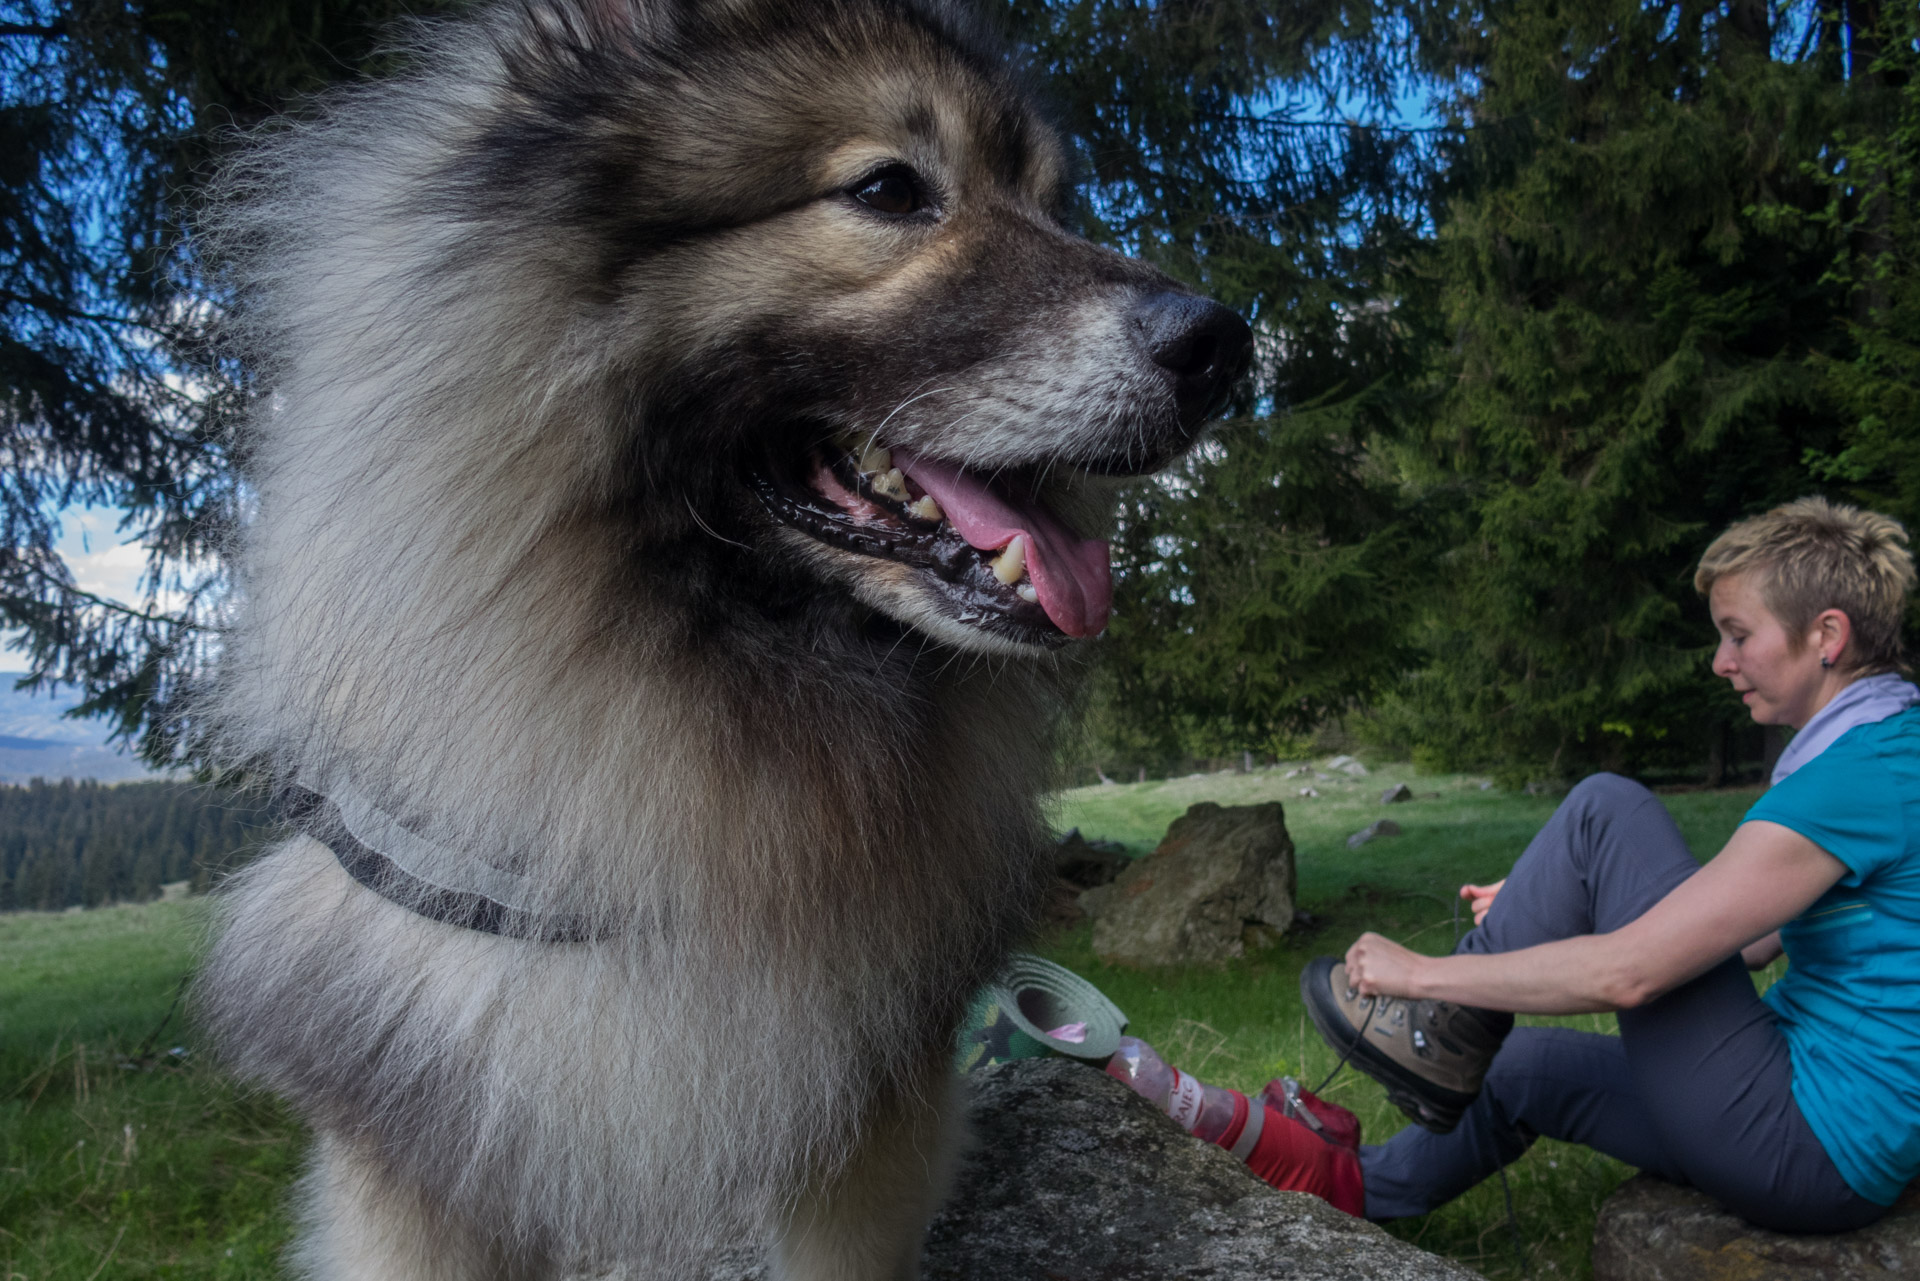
(868, 1224)
(362, 1225)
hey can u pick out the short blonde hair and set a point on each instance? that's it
(1811, 556)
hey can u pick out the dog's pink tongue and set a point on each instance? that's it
(1073, 575)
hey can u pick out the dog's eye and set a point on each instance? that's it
(894, 190)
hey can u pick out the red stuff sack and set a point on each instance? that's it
(1328, 1120)
(1294, 1158)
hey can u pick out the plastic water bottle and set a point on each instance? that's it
(1205, 1111)
(1286, 1136)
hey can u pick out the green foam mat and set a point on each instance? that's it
(1012, 1015)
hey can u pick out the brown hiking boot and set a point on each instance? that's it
(1430, 1055)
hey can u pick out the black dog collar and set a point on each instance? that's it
(405, 868)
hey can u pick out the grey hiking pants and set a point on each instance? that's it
(1697, 1088)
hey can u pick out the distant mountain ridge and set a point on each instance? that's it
(37, 740)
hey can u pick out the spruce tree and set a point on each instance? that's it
(112, 392)
(1254, 151)
(1631, 326)
(1872, 205)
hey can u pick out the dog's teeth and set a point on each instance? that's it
(875, 459)
(926, 509)
(1010, 566)
(889, 482)
(1028, 593)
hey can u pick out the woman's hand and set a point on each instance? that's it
(1480, 898)
(1379, 966)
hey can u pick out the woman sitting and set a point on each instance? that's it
(1799, 1111)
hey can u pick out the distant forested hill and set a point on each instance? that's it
(69, 843)
(39, 740)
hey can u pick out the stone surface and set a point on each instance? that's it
(1221, 881)
(1348, 765)
(1653, 1231)
(1073, 1177)
(1397, 793)
(1377, 828)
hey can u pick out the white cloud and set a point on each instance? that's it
(101, 560)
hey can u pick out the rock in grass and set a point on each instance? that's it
(1074, 1177)
(1397, 793)
(1081, 868)
(1651, 1230)
(1087, 863)
(1379, 827)
(1221, 881)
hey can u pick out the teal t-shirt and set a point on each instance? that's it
(1850, 1002)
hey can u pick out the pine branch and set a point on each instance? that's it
(75, 314)
(114, 606)
(1280, 123)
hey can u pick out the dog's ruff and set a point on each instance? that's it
(580, 346)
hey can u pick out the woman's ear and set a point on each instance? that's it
(1831, 634)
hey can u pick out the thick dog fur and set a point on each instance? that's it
(521, 317)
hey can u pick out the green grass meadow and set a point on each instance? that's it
(122, 1159)
(115, 1163)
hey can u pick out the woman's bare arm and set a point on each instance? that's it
(1766, 876)
(1761, 953)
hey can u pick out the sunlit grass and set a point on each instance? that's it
(118, 1158)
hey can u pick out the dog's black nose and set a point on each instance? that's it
(1203, 347)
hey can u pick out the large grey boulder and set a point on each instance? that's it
(1071, 1176)
(1074, 1177)
(1651, 1230)
(1221, 881)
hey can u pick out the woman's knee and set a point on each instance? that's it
(1604, 808)
(1607, 792)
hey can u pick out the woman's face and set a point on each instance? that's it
(1779, 684)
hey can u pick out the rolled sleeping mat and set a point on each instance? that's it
(1036, 1008)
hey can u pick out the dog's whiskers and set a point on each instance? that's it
(711, 532)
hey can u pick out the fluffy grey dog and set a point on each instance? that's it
(680, 429)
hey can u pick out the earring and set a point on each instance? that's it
(1825, 661)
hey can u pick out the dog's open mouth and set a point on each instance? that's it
(993, 552)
